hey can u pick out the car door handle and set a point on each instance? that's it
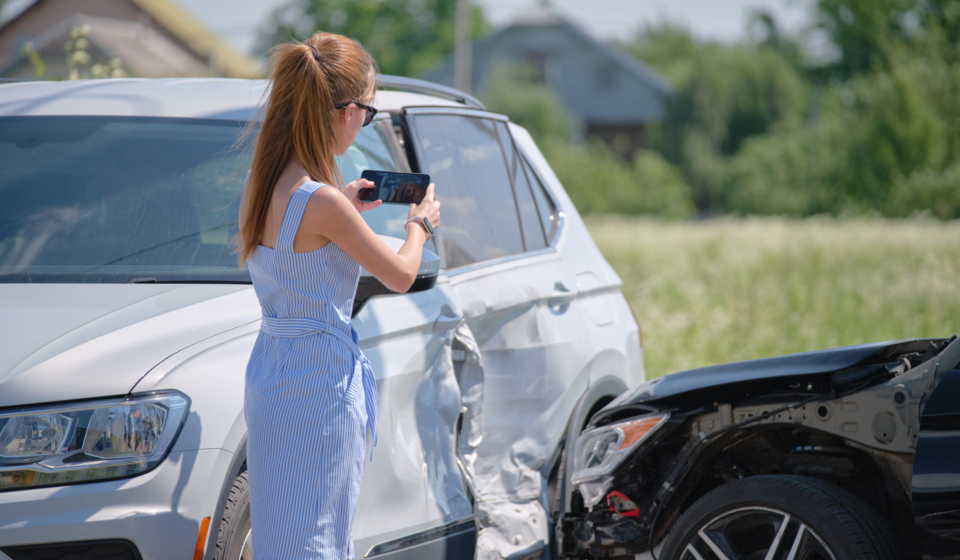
(447, 321)
(561, 296)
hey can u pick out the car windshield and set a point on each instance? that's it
(118, 199)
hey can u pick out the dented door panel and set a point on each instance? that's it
(413, 482)
(527, 351)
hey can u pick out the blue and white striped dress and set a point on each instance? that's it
(310, 398)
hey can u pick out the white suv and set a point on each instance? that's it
(126, 325)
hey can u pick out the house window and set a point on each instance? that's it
(538, 66)
(626, 139)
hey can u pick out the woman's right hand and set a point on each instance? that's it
(428, 208)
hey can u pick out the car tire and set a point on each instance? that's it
(233, 538)
(804, 518)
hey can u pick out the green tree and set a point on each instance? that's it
(406, 37)
(901, 133)
(862, 29)
(593, 174)
(927, 190)
(868, 32)
(511, 90)
(667, 47)
(724, 95)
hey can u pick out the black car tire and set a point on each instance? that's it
(235, 522)
(731, 519)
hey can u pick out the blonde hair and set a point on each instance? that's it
(307, 80)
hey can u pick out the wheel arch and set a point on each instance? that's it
(876, 469)
(237, 464)
(598, 395)
(844, 525)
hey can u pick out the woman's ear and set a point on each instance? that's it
(347, 114)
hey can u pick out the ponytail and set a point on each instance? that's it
(307, 80)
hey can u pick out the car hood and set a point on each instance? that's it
(704, 386)
(75, 341)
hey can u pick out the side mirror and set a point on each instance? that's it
(369, 286)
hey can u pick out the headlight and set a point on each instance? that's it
(600, 450)
(88, 441)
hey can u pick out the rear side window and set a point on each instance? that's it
(466, 163)
(530, 223)
(548, 211)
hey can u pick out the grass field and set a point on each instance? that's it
(729, 289)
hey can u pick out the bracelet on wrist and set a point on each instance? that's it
(424, 223)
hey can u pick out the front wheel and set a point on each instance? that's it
(233, 537)
(780, 518)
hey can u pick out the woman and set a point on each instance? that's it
(310, 393)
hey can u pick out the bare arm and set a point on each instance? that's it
(333, 215)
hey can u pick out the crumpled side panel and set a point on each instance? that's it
(467, 356)
(437, 405)
(515, 529)
(507, 492)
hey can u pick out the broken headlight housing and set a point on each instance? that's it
(88, 441)
(599, 451)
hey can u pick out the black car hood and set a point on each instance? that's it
(753, 377)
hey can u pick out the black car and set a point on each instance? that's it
(844, 453)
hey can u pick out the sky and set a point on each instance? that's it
(237, 20)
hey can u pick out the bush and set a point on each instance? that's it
(753, 131)
(797, 171)
(937, 192)
(731, 95)
(598, 181)
(511, 90)
(594, 175)
(869, 134)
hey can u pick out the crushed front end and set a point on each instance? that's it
(850, 416)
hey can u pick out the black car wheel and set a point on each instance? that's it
(233, 537)
(780, 518)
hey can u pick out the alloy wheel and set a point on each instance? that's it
(756, 533)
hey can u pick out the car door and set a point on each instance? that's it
(519, 303)
(412, 499)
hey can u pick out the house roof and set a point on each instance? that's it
(142, 50)
(543, 14)
(185, 27)
(596, 82)
(182, 24)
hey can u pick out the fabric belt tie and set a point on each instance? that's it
(293, 327)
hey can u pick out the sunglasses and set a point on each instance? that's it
(371, 111)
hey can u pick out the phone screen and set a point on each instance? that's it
(395, 188)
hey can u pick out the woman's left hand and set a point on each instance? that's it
(352, 191)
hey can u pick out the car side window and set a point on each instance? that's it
(548, 211)
(465, 161)
(530, 224)
(371, 150)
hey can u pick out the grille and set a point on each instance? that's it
(87, 550)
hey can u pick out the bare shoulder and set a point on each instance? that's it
(328, 207)
(328, 199)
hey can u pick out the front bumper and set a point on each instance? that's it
(159, 512)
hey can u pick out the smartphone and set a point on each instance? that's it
(395, 188)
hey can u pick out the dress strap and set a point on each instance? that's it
(294, 214)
